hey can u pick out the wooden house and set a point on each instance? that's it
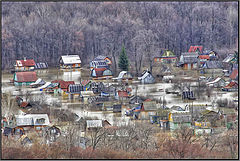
(123, 76)
(25, 65)
(218, 82)
(176, 120)
(70, 61)
(167, 57)
(146, 77)
(231, 87)
(101, 73)
(148, 109)
(24, 78)
(62, 86)
(188, 60)
(31, 121)
(122, 95)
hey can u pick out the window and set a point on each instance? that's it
(40, 121)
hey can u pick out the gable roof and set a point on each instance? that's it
(75, 88)
(26, 76)
(101, 57)
(195, 48)
(41, 65)
(168, 53)
(149, 106)
(188, 57)
(228, 58)
(31, 119)
(25, 63)
(85, 82)
(71, 59)
(213, 65)
(63, 84)
(215, 81)
(146, 73)
(234, 74)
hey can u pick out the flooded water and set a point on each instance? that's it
(153, 91)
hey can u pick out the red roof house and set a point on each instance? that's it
(25, 65)
(24, 78)
(63, 84)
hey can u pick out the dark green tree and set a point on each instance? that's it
(123, 60)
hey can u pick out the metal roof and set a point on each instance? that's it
(71, 59)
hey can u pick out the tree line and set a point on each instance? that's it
(46, 30)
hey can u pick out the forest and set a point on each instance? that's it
(46, 30)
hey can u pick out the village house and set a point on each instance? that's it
(24, 78)
(146, 77)
(148, 108)
(70, 61)
(188, 60)
(101, 73)
(62, 87)
(100, 62)
(210, 67)
(167, 57)
(218, 82)
(176, 120)
(209, 118)
(122, 95)
(25, 65)
(161, 118)
(24, 123)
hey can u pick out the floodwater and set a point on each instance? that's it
(152, 91)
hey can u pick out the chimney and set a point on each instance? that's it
(24, 59)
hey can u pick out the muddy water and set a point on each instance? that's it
(152, 91)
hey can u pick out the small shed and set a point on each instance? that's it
(24, 78)
(70, 61)
(176, 120)
(147, 78)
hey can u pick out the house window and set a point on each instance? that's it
(40, 121)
